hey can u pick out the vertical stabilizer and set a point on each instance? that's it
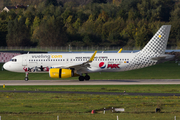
(152, 53)
(158, 42)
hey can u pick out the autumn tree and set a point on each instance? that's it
(143, 35)
(99, 1)
(51, 32)
(51, 2)
(18, 33)
(3, 32)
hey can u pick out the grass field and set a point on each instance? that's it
(102, 88)
(169, 70)
(38, 106)
(47, 106)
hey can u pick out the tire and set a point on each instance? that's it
(26, 79)
(81, 78)
(87, 77)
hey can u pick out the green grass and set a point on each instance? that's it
(102, 88)
(47, 106)
(169, 70)
(38, 106)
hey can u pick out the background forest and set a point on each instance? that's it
(87, 22)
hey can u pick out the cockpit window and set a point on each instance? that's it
(13, 60)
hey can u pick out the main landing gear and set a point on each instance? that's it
(26, 78)
(82, 78)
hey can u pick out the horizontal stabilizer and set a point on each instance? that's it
(163, 57)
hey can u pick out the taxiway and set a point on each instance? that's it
(92, 82)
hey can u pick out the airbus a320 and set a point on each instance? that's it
(65, 65)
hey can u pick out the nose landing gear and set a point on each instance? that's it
(26, 78)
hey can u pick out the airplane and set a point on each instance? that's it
(65, 65)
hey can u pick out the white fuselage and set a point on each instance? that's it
(103, 62)
(73, 64)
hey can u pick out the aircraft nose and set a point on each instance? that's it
(6, 66)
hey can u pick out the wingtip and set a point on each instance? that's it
(120, 50)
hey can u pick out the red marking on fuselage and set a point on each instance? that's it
(25, 69)
(113, 66)
(47, 69)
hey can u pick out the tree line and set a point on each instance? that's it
(97, 23)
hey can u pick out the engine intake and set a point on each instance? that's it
(61, 73)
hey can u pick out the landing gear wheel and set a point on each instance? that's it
(87, 77)
(81, 78)
(26, 79)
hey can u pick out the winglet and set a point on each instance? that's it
(120, 50)
(92, 57)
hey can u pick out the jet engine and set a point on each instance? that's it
(61, 73)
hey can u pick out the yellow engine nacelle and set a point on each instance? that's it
(60, 73)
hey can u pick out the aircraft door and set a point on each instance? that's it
(24, 61)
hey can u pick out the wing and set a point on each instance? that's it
(78, 66)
